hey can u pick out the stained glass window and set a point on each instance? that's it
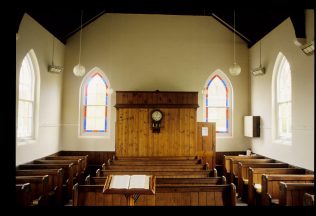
(217, 103)
(95, 104)
(26, 99)
(284, 99)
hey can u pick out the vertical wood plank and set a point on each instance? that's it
(186, 132)
(218, 199)
(99, 199)
(192, 142)
(194, 199)
(182, 132)
(210, 198)
(202, 198)
(107, 200)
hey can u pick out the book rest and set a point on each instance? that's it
(131, 194)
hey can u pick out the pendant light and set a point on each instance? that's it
(79, 70)
(235, 69)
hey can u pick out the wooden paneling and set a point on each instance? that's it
(94, 157)
(149, 99)
(177, 137)
(220, 156)
(206, 145)
(134, 136)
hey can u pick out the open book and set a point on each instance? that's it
(129, 182)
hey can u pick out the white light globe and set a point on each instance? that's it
(235, 69)
(79, 70)
(110, 91)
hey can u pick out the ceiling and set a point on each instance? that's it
(250, 24)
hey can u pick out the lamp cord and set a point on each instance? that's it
(53, 52)
(234, 39)
(80, 36)
(260, 53)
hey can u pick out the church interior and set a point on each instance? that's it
(164, 106)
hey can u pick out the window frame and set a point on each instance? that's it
(31, 59)
(229, 102)
(279, 68)
(82, 106)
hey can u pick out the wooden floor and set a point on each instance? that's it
(240, 202)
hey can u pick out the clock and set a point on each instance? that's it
(156, 116)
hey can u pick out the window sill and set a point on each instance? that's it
(287, 142)
(93, 137)
(22, 142)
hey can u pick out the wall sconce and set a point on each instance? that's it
(308, 48)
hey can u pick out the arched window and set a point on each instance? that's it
(218, 102)
(95, 104)
(283, 99)
(27, 98)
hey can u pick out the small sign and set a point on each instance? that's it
(204, 131)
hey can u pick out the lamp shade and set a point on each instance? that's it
(235, 69)
(79, 70)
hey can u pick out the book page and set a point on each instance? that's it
(139, 181)
(119, 182)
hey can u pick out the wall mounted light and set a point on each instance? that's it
(53, 68)
(308, 48)
(259, 70)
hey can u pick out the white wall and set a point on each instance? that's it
(301, 152)
(150, 52)
(33, 36)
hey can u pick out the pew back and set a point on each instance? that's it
(255, 177)
(243, 174)
(190, 195)
(40, 187)
(271, 186)
(308, 199)
(291, 194)
(23, 194)
(234, 165)
(158, 174)
(68, 180)
(227, 169)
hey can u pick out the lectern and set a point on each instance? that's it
(132, 186)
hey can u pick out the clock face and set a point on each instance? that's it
(156, 115)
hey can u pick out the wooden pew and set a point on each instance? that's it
(308, 199)
(157, 158)
(57, 176)
(152, 167)
(243, 166)
(271, 185)
(227, 163)
(171, 162)
(177, 160)
(76, 164)
(40, 187)
(158, 174)
(234, 166)
(190, 195)
(68, 180)
(83, 158)
(255, 177)
(167, 181)
(291, 194)
(23, 194)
